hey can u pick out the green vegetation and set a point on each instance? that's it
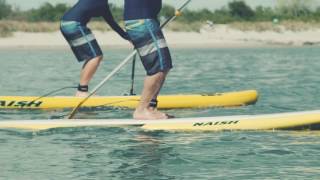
(234, 12)
(5, 9)
(239, 9)
(237, 13)
(5, 30)
(47, 12)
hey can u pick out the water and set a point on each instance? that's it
(287, 80)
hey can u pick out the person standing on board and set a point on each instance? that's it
(82, 41)
(145, 33)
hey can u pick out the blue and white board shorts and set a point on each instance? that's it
(148, 39)
(81, 40)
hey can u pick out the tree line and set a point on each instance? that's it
(237, 10)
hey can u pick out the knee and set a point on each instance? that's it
(93, 61)
(161, 75)
(166, 72)
(98, 59)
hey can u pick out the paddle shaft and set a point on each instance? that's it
(124, 62)
(174, 16)
(133, 75)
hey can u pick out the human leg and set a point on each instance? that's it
(152, 85)
(85, 48)
(148, 39)
(87, 74)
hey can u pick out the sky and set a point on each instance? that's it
(195, 4)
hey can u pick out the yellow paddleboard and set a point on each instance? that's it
(165, 102)
(243, 122)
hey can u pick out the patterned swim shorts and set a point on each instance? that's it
(148, 39)
(81, 40)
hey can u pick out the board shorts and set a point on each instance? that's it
(81, 40)
(148, 39)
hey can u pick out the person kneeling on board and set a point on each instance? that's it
(82, 41)
(145, 33)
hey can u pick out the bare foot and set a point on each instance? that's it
(81, 94)
(163, 114)
(148, 114)
(84, 94)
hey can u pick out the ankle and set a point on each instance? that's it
(83, 88)
(153, 104)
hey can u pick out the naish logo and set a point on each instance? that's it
(218, 123)
(20, 104)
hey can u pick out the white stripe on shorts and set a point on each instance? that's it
(82, 40)
(150, 48)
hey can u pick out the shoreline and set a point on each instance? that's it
(171, 46)
(221, 36)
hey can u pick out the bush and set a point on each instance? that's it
(117, 12)
(240, 9)
(5, 9)
(5, 30)
(167, 11)
(48, 12)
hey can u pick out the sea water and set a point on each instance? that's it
(287, 80)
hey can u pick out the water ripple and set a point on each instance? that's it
(286, 78)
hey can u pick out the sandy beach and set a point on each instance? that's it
(219, 36)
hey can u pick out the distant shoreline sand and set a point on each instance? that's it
(221, 36)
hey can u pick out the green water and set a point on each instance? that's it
(287, 80)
